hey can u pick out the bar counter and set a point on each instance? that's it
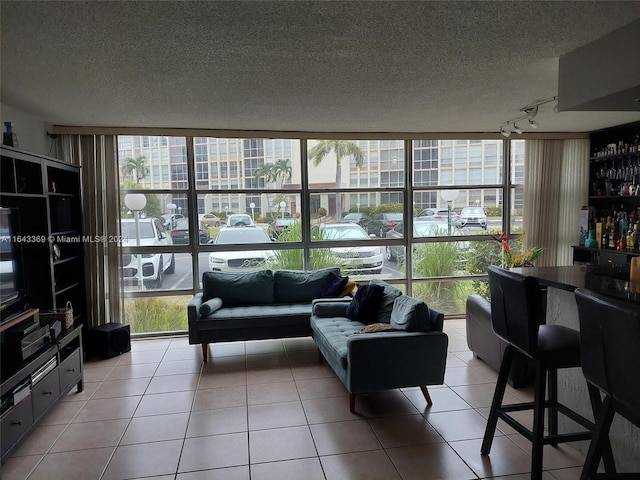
(608, 280)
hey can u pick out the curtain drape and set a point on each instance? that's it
(97, 157)
(556, 187)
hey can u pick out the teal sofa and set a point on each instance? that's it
(255, 305)
(414, 355)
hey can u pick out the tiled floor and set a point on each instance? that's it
(268, 410)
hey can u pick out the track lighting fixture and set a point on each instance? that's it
(528, 113)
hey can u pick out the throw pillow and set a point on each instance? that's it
(377, 327)
(386, 306)
(334, 285)
(239, 289)
(300, 286)
(410, 314)
(210, 306)
(365, 303)
(350, 287)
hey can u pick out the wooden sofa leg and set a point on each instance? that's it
(427, 397)
(205, 352)
(352, 402)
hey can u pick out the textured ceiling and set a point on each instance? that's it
(347, 66)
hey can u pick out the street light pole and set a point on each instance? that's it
(136, 202)
(252, 206)
(283, 205)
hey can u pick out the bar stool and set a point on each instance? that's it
(518, 317)
(610, 340)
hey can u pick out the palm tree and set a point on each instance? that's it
(342, 149)
(275, 172)
(136, 165)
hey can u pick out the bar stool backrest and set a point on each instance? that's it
(517, 309)
(610, 349)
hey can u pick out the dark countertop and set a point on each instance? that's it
(610, 280)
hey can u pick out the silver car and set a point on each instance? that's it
(473, 216)
(356, 259)
(239, 261)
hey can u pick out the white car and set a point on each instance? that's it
(356, 259)
(239, 220)
(239, 261)
(154, 265)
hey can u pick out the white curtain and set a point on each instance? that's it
(556, 187)
(96, 155)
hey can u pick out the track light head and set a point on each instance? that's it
(505, 133)
(517, 129)
(531, 112)
(533, 124)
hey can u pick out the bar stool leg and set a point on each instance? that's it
(498, 395)
(607, 452)
(553, 400)
(537, 447)
(599, 440)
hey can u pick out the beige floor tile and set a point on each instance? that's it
(69, 466)
(223, 397)
(261, 394)
(566, 473)
(222, 379)
(79, 436)
(321, 388)
(156, 428)
(300, 343)
(465, 376)
(371, 465)
(444, 400)
(264, 346)
(302, 357)
(281, 444)
(217, 451)
(276, 415)
(384, 404)
(107, 409)
(432, 461)
(226, 349)
(144, 356)
(62, 413)
(138, 370)
(333, 409)
(179, 367)
(344, 437)
(228, 473)
(505, 458)
(458, 425)
(122, 388)
(173, 383)
(215, 422)
(481, 395)
(144, 460)
(562, 456)
(404, 430)
(267, 360)
(19, 468)
(150, 344)
(309, 372)
(86, 393)
(40, 440)
(225, 363)
(261, 375)
(453, 361)
(163, 403)
(304, 468)
(92, 374)
(187, 352)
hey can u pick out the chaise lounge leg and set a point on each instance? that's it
(205, 352)
(427, 397)
(352, 402)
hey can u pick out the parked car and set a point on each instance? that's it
(438, 215)
(154, 265)
(360, 218)
(170, 219)
(180, 233)
(473, 216)
(239, 261)
(211, 220)
(420, 229)
(356, 259)
(282, 224)
(239, 220)
(383, 222)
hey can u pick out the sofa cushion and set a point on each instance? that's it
(410, 314)
(365, 303)
(254, 288)
(331, 335)
(296, 286)
(210, 306)
(334, 286)
(255, 316)
(388, 297)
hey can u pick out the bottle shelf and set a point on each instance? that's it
(62, 261)
(66, 288)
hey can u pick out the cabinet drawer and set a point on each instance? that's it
(45, 393)
(613, 257)
(70, 370)
(16, 423)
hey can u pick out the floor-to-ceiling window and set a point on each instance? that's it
(417, 213)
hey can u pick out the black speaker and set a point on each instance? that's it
(109, 340)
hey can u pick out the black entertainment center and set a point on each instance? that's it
(42, 356)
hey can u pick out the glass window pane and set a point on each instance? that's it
(156, 314)
(160, 271)
(447, 296)
(360, 263)
(152, 162)
(355, 163)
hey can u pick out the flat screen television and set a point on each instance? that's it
(11, 280)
